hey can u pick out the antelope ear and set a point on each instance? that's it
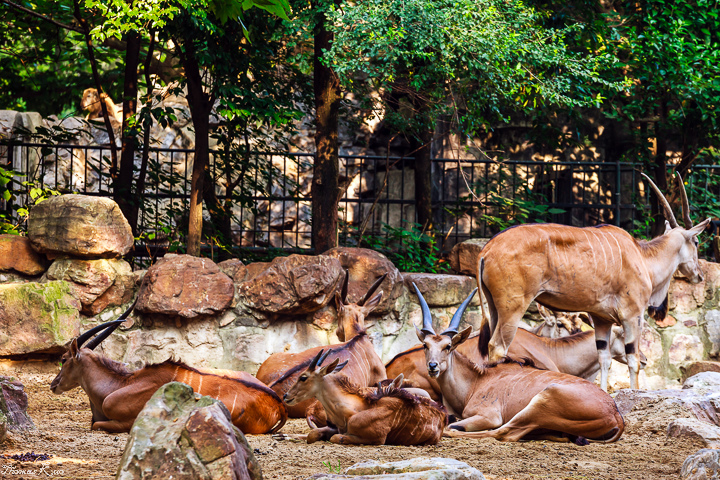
(329, 368)
(699, 228)
(667, 227)
(420, 334)
(371, 304)
(74, 350)
(459, 338)
(397, 383)
(338, 301)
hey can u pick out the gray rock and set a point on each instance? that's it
(668, 405)
(421, 468)
(37, 317)
(712, 327)
(182, 436)
(13, 405)
(705, 381)
(3, 427)
(443, 290)
(80, 226)
(703, 465)
(708, 433)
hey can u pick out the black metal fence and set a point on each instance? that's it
(271, 201)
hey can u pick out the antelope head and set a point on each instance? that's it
(688, 256)
(351, 316)
(310, 383)
(71, 370)
(439, 347)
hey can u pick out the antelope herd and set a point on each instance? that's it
(503, 382)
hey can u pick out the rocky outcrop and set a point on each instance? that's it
(98, 284)
(37, 317)
(185, 286)
(80, 226)
(464, 256)
(17, 254)
(292, 285)
(180, 436)
(14, 404)
(421, 468)
(703, 465)
(365, 266)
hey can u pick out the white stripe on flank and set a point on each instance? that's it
(592, 249)
(619, 250)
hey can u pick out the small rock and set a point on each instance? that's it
(14, 404)
(422, 468)
(685, 348)
(708, 433)
(16, 253)
(464, 256)
(703, 465)
(442, 290)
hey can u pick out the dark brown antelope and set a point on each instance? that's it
(117, 395)
(385, 415)
(365, 368)
(511, 400)
(600, 270)
(575, 355)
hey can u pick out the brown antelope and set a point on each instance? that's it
(557, 324)
(600, 270)
(117, 395)
(575, 355)
(386, 415)
(281, 370)
(511, 400)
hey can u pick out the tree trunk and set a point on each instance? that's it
(422, 150)
(325, 189)
(200, 105)
(660, 169)
(127, 200)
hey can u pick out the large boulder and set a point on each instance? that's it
(292, 285)
(98, 284)
(443, 290)
(14, 404)
(37, 317)
(464, 255)
(185, 286)
(181, 436)
(703, 465)
(365, 266)
(79, 226)
(421, 468)
(17, 254)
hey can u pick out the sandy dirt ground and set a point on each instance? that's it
(63, 431)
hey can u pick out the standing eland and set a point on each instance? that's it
(600, 270)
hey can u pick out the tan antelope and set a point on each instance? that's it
(557, 324)
(117, 395)
(574, 354)
(281, 370)
(600, 270)
(512, 400)
(385, 415)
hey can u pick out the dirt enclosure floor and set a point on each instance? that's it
(63, 431)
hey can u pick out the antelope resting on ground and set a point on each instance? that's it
(385, 415)
(117, 395)
(556, 324)
(575, 355)
(511, 400)
(281, 370)
(600, 270)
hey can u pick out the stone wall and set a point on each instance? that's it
(234, 316)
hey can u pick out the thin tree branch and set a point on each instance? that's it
(42, 17)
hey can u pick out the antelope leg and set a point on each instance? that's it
(113, 426)
(602, 342)
(632, 348)
(483, 421)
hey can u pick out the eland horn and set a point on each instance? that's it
(452, 329)
(372, 289)
(108, 327)
(685, 204)
(663, 202)
(427, 317)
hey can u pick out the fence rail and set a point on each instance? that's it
(271, 203)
